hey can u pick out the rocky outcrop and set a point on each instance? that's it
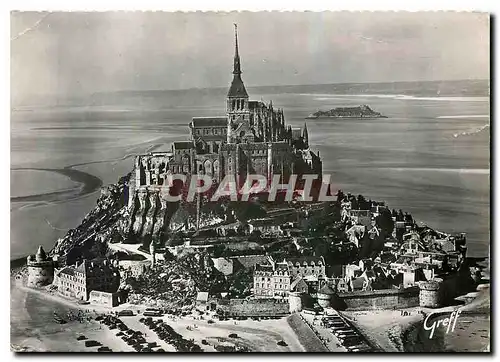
(161, 213)
(105, 223)
(149, 217)
(149, 220)
(139, 214)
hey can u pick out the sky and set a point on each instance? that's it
(75, 53)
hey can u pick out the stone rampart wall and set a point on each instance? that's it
(381, 299)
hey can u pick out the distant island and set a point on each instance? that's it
(362, 111)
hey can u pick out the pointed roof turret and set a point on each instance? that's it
(237, 89)
(40, 254)
(305, 133)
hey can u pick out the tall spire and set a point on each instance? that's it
(237, 67)
(237, 89)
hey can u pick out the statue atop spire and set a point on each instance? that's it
(237, 67)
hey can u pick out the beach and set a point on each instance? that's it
(33, 328)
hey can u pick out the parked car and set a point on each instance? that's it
(152, 313)
(351, 341)
(341, 330)
(336, 325)
(92, 343)
(126, 313)
(346, 335)
(282, 343)
(233, 335)
(310, 311)
(359, 348)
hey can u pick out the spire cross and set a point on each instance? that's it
(236, 36)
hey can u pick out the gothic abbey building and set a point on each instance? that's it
(252, 138)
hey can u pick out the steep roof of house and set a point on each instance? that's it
(326, 290)
(82, 268)
(68, 270)
(295, 283)
(249, 261)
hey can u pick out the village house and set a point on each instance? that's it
(79, 280)
(275, 279)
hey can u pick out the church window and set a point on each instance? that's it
(234, 102)
(216, 132)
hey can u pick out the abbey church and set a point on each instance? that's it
(252, 138)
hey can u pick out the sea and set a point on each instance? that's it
(430, 157)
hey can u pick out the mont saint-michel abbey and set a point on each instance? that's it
(252, 138)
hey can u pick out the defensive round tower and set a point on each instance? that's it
(325, 296)
(430, 294)
(40, 269)
(296, 301)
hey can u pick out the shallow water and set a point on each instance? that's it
(430, 157)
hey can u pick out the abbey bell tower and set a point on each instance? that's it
(237, 97)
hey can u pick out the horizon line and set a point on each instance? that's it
(295, 85)
(253, 86)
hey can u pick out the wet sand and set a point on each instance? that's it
(34, 329)
(88, 184)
